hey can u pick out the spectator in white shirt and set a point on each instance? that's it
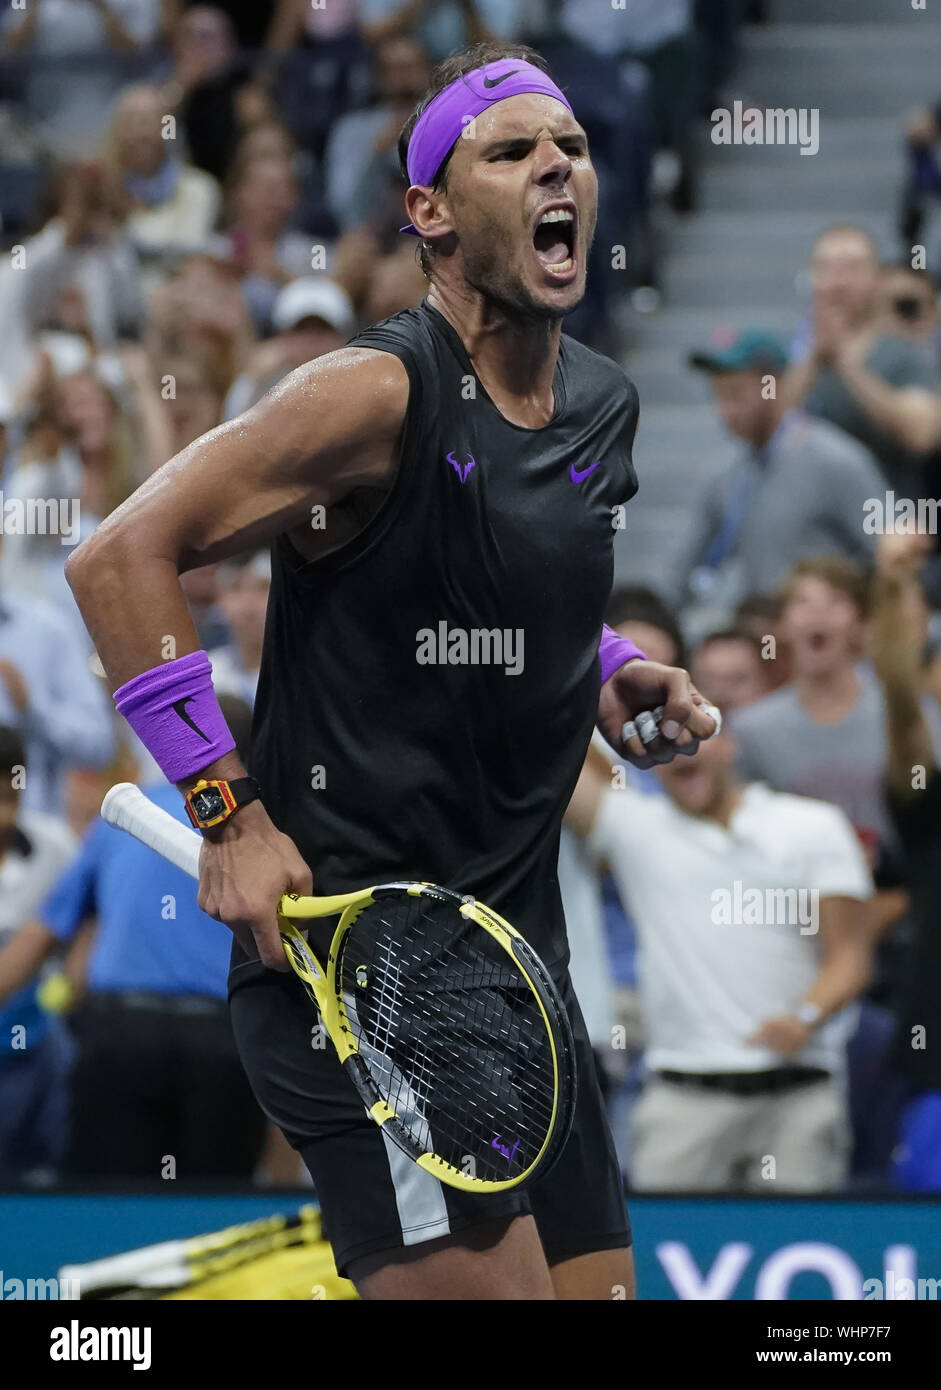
(754, 936)
(173, 205)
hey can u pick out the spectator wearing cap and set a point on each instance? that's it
(797, 490)
(34, 1048)
(311, 316)
(846, 367)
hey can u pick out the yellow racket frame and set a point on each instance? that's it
(323, 989)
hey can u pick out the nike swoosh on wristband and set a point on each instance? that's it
(580, 477)
(495, 81)
(179, 707)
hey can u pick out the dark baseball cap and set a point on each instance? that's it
(752, 349)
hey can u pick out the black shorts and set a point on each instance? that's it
(372, 1197)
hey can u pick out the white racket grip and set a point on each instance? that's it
(127, 808)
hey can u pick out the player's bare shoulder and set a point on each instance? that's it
(348, 405)
(326, 436)
(353, 402)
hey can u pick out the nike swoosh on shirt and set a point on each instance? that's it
(580, 477)
(495, 81)
(180, 708)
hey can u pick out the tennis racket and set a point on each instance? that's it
(177, 1264)
(445, 1019)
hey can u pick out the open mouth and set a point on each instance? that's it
(554, 241)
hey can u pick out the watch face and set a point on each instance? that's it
(208, 804)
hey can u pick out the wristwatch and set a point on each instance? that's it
(809, 1014)
(210, 803)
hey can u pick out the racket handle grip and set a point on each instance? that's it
(127, 808)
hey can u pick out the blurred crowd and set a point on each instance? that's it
(197, 199)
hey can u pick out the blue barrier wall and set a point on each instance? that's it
(686, 1247)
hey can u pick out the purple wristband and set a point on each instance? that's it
(615, 651)
(174, 712)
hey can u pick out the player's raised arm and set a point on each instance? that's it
(328, 430)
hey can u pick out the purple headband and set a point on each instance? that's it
(451, 111)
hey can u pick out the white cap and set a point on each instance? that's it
(313, 297)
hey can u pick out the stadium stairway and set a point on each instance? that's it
(741, 258)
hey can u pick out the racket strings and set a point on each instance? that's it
(452, 1034)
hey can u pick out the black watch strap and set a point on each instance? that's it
(245, 789)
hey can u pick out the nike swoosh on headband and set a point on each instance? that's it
(495, 81)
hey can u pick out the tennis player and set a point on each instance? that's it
(438, 496)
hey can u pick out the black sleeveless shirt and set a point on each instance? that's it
(428, 691)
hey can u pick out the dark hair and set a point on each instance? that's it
(12, 749)
(446, 72)
(636, 604)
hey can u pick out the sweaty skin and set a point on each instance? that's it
(328, 435)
